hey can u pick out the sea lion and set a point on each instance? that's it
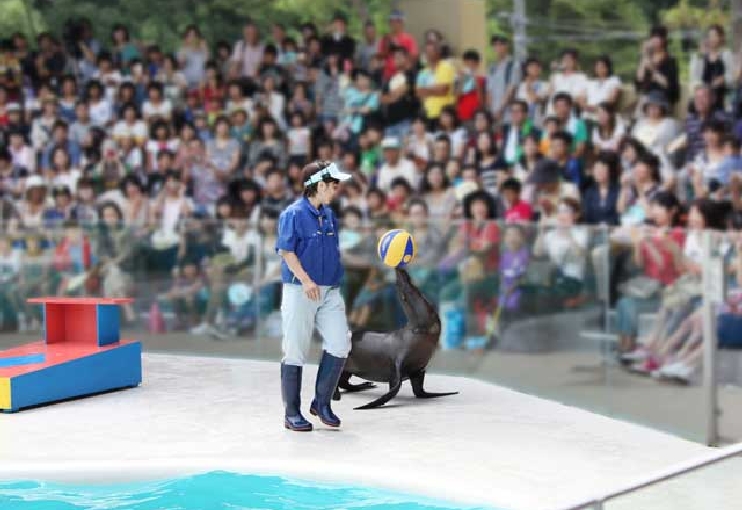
(398, 355)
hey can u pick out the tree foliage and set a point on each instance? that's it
(163, 21)
(595, 27)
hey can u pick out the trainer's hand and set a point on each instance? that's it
(311, 290)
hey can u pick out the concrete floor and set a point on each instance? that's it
(573, 377)
(488, 445)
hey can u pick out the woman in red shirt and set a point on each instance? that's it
(658, 251)
(475, 253)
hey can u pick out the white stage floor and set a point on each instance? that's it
(487, 445)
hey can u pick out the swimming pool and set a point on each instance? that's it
(212, 490)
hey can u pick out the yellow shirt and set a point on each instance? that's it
(444, 73)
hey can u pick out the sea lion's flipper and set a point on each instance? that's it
(344, 384)
(417, 387)
(395, 382)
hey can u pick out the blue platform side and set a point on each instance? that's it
(118, 367)
(108, 324)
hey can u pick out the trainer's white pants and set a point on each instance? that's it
(300, 315)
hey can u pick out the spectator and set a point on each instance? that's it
(701, 112)
(657, 250)
(22, 155)
(639, 189)
(512, 134)
(514, 209)
(81, 130)
(470, 87)
(192, 56)
(277, 196)
(609, 129)
(338, 41)
(713, 65)
(503, 79)
(569, 122)
(604, 88)
(566, 247)
(419, 144)
(12, 178)
(399, 101)
(361, 103)
(705, 171)
(396, 38)
(656, 130)
(439, 196)
(124, 49)
(368, 47)
(658, 70)
(247, 53)
(528, 159)
(395, 166)
(435, 84)
(567, 81)
(533, 90)
(101, 109)
(600, 200)
(268, 141)
(328, 89)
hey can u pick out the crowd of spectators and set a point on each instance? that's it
(128, 170)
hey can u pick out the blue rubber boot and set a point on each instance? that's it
(291, 393)
(328, 376)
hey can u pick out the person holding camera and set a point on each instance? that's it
(658, 70)
(713, 65)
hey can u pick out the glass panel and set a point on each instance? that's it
(713, 486)
(727, 326)
(535, 308)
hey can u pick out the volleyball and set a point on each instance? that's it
(396, 248)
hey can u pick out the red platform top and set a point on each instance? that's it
(56, 354)
(80, 301)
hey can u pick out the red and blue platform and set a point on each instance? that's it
(81, 354)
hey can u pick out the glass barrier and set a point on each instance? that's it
(606, 320)
(725, 322)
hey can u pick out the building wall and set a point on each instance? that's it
(462, 22)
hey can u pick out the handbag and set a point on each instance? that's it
(681, 291)
(640, 287)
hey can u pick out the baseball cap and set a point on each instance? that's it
(396, 14)
(390, 142)
(330, 170)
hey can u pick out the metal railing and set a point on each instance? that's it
(598, 502)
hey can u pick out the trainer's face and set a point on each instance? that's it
(326, 192)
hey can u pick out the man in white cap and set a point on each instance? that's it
(311, 271)
(394, 166)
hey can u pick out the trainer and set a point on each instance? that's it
(311, 271)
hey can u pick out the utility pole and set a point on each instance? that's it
(519, 29)
(736, 25)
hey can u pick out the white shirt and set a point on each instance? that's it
(69, 180)
(387, 173)
(574, 84)
(153, 147)
(240, 247)
(299, 139)
(598, 91)
(163, 109)
(693, 249)
(100, 113)
(138, 130)
(561, 252)
(611, 143)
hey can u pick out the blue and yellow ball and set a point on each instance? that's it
(396, 248)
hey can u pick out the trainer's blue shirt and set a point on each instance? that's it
(315, 243)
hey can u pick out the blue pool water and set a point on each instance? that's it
(212, 491)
